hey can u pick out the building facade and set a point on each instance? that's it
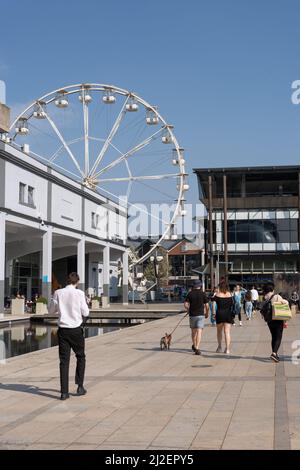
(252, 225)
(51, 225)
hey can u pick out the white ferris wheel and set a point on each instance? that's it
(112, 141)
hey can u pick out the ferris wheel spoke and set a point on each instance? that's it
(57, 152)
(56, 165)
(139, 178)
(130, 152)
(111, 135)
(67, 148)
(86, 136)
(136, 206)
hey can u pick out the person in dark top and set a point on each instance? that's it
(275, 326)
(197, 304)
(224, 315)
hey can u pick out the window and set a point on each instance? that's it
(31, 196)
(22, 188)
(95, 220)
(26, 195)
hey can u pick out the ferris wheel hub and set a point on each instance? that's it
(90, 182)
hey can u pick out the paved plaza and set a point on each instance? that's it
(142, 398)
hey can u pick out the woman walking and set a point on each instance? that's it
(275, 326)
(248, 305)
(238, 300)
(224, 316)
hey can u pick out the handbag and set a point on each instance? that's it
(281, 311)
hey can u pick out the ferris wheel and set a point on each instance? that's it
(113, 142)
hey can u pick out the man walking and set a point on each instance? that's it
(255, 296)
(195, 302)
(70, 304)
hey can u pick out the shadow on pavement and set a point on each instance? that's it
(210, 354)
(30, 389)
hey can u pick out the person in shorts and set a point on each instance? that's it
(197, 305)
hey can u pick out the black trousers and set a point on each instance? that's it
(276, 329)
(70, 338)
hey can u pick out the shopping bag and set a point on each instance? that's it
(281, 311)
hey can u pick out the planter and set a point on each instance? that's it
(17, 306)
(41, 309)
(95, 304)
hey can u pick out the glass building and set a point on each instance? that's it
(252, 223)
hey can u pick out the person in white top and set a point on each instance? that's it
(70, 304)
(255, 296)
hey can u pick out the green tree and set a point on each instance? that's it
(163, 270)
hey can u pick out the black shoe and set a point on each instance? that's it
(81, 390)
(193, 348)
(197, 352)
(64, 396)
(274, 357)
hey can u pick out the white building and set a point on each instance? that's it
(51, 225)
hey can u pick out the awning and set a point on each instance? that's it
(205, 269)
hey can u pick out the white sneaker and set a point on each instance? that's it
(241, 323)
(226, 351)
(219, 349)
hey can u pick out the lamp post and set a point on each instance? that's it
(156, 260)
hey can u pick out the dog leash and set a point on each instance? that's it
(180, 321)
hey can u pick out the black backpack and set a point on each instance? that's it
(266, 309)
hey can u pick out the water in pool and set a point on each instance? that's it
(27, 337)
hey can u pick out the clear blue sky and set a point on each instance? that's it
(220, 70)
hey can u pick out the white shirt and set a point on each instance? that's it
(254, 293)
(71, 306)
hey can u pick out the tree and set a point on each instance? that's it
(163, 270)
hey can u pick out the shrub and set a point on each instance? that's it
(42, 300)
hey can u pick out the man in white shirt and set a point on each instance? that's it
(70, 304)
(254, 295)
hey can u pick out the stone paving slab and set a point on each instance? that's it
(142, 398)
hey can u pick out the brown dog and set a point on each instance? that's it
(165, 341)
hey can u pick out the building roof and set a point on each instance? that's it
(248, 169)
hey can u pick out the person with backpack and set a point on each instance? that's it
(275, 326)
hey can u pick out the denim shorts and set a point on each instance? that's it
(197, 321)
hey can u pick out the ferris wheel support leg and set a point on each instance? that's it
(125, 277)
(106, 277)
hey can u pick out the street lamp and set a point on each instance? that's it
(156, 260)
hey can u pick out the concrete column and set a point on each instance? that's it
(2, 260)
(299, 221)
(210, 232)
(225, 235)
(81, 263)
(47, 264)
(125, 277)
(106, 276)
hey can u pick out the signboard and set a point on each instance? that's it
(181, 278)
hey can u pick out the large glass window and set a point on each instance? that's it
(273, 232)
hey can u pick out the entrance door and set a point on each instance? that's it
(25, 287)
